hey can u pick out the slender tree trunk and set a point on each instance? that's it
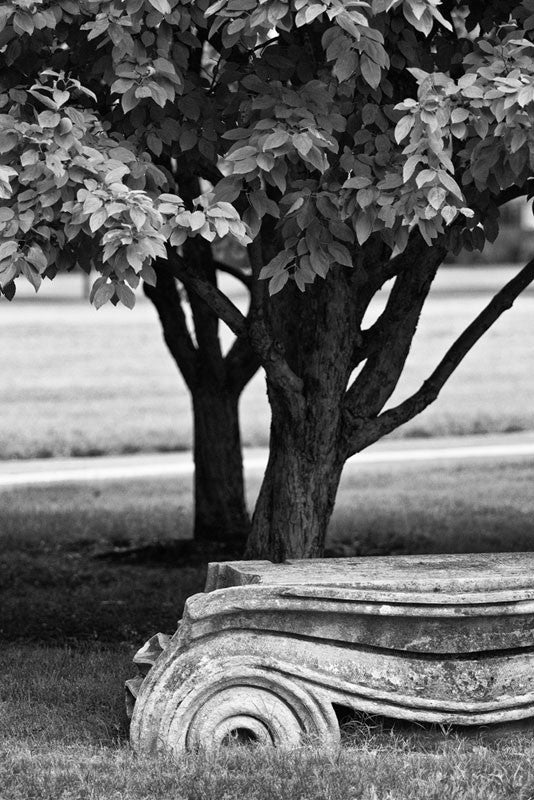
(222, 522)
(220, 510)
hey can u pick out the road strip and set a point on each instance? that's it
(183, 466)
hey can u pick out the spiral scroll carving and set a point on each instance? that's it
(235, 702)
(267, 650)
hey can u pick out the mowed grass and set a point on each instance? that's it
(80, 382)
(70, 624)
(62, 737)
(52, 588)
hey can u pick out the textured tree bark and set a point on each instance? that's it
(319, 334)
(316, 332)
(220, 510)
(298, 492)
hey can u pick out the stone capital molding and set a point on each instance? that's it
(267, 649)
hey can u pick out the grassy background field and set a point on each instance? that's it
(79, 382)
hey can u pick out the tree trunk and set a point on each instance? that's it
(317, 332)
(220, 510)
(298, 490)
(328, 394)
(221, 517)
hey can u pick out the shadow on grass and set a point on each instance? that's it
(55, 589)
(71, 622)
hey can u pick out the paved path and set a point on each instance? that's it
(105, 468)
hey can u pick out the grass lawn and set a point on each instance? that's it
(52, 589)
(79, 382)
(62, 738)
(70, 624)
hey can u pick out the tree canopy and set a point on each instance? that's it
(338, 119)
(345, 143)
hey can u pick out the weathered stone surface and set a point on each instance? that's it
(268, 648)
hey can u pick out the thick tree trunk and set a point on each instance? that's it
(220, 510)
(316, 330)
(298, 491)
(322, 410)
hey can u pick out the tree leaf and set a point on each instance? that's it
(276, 139)
(278, 282)
(228, 189)
(345, 66)
(187, 139)
(125, 295)
(48, 119)
(409, 167)
(276, 264)
(363, 228)
(371, 72)
(303, 143)
(357, 182)
(197, 220)
(425, 176)
(162, 6)
(148, 274)
(129, 100)
(92, 204)
(436, 197)
(241, 153)
(449, 183)
(97, 219)
(138, 217)
(103, 294)
(9, 290)
(36, 257)
(60, 97)
(340, 254)
(244, 166)
(403, 127)
(8, 249)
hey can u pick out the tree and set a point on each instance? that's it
(215, 382)
(350, 145)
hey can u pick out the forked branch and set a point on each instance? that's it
(168, 303)
(410, 255)
(253, 328)
(369, 431)
(215, 299)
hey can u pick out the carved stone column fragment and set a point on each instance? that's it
(264, 653)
